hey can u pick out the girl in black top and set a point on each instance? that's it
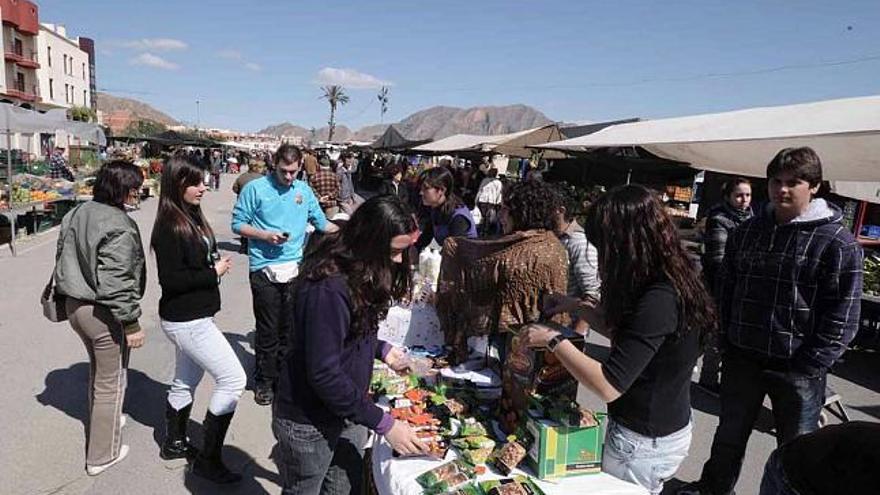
(656, 311)
(189, 273)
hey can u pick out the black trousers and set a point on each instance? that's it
(273, 312)
(797, 400)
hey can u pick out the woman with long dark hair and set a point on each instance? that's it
(657, 312)
(450, 217)
(322, 407)
(99, 267)
(190, 269)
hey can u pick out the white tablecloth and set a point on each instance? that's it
(396, 476)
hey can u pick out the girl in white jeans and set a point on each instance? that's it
(189, 273)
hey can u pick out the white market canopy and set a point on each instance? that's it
(845, 133)
(469, 142)
(21, 120)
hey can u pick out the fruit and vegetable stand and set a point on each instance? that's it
(35, 196)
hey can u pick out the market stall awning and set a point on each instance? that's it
(16, 119)
(392, 139)
(473, 142)
(520, 146)
(845, 133)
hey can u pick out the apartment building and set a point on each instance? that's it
(65, 75)
(19, 84)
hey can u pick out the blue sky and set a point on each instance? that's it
(257, 63)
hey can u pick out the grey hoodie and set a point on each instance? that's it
(100, 259)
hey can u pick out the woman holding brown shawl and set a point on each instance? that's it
(494, 285)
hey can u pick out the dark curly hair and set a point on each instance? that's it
(638, 246)
(532, 205)
(361, 252)
(568, 199)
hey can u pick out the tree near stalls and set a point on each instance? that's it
(336, 97)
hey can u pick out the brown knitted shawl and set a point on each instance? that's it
(495, 285)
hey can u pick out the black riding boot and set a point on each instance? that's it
(209, 463)
(176, 444)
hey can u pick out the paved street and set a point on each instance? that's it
(41, 421)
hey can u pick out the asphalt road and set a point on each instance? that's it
(42, 418)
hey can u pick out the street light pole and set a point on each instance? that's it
(198, 117)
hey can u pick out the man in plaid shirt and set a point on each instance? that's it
(58, 168)
(325, 183)
(790, 296)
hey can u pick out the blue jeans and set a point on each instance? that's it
(797, 400)
(643, 460)
(774, 482)
(320, 460)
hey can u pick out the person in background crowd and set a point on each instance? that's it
(489, 201)
(323, 408)
(583, 259)
(100, 268)
(217, 165)
(394, 184)
(722, 220)
(272, 212)
(58, 168)
(310, 164)
(256, 170)
(449, 216)
(790, 292)
(657, 311)
(325, 183)
(349, 200)
(190, 269)
(838, 459)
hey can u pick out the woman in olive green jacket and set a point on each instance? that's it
(99, 267)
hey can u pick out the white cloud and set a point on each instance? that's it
(155, 44)
(254, 67)
(230, 54)
(349, 78)
(150, 60)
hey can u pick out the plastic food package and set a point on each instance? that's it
(508, 456)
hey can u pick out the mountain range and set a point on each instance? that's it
(432, 123)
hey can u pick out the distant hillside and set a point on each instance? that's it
(140, 111)
(433, 123)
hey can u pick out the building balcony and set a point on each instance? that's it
(21, 93)
(21, 60)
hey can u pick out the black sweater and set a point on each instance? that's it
(326, 374)
(190, 287)
(652, 368)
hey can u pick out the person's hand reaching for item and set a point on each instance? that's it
(536, 335)
(404, 440)
(397, 360)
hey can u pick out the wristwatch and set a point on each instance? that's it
(554, 342)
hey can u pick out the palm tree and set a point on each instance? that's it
(383, 102)
(335, 96)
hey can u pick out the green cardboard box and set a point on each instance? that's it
(557, 451)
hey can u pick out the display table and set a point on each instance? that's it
(396, 476)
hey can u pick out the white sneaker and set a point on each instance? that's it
(122, 420)
(96, 470)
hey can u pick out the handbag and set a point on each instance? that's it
(55, 304)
